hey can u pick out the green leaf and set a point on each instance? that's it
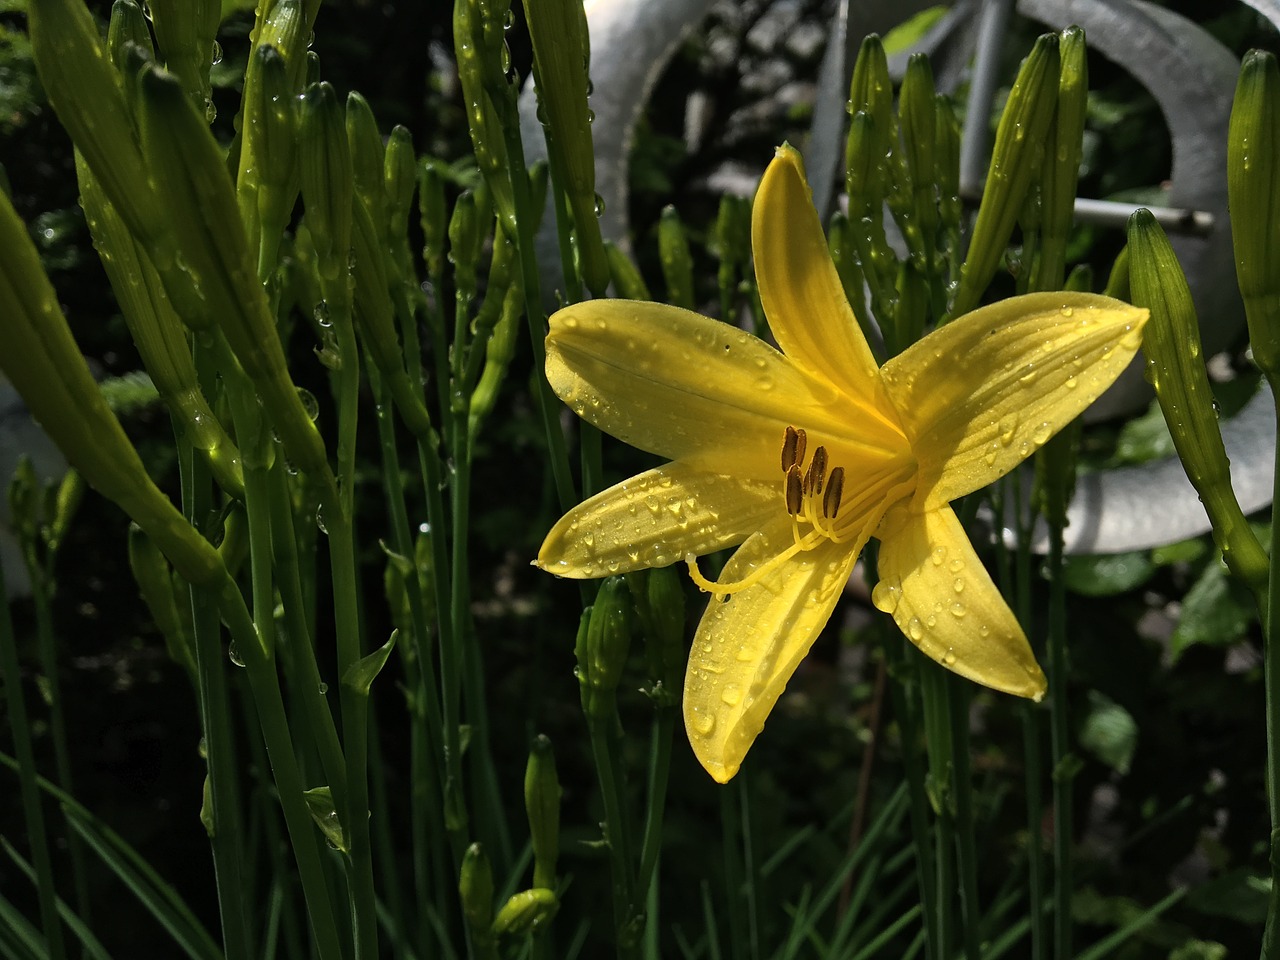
(1217, 611)
(325, 814)
(1199, 950)
(1105, 576)
(1109, 732)
(1238, 895)
(1144, 438)
(360, 675)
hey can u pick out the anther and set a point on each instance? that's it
(793, 444)
(835, 487)
(816, 473)
(795, 494)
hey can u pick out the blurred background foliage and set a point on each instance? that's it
(1166, 667)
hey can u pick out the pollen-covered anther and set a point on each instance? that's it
(816, 473)
(793, 444)
(795, 491)
(835, 488)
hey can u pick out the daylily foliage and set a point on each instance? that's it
(797, 456)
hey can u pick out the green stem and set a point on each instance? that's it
(617, 836)
(1059, 733)
(346, 613)
(43, 585)
(227, 841)
(526, 216)
(664, 724)
(938, 738)
(260, 667)
(1271, 681)
(31, 808)
(966, 844)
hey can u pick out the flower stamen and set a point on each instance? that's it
(793, 444)
(722, 590)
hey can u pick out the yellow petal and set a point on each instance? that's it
(747, 647)
(982, 393)
(656, 519)
(942, 598)
(683, 386)
(800, 290)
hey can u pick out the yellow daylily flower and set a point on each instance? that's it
(800, 455)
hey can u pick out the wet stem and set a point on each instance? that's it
(1271, 679)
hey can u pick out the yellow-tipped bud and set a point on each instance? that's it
(475, 887)
(524, 912)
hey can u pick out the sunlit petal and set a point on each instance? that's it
(682, 386)
(747, 647)
(799, 288)
(982, 393)
(942, 598)
(656, 519)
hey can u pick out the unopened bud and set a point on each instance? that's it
(542, 804)
(677, 262)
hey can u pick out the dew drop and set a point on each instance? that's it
(731, 694)
(915, 629)
(958, 585)
(233, 654)
(323, 688)
(955, 566)
(320, 523)
(703, 724)
(310, 405)
(1071, 383)
(1008, 427)
(939, 554)
(886, 597)
(1067, 311)
(958, 609)
(1042, 433)
(949, 657)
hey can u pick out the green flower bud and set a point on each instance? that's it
(464, 241)
(677, 262)
(558, 32)
(367, 154)
(844, 254)
(1176, 370)
(542, 804)
(271, 111)
(189, 168)
(524, 912)
(128, 25)
(327, 179)
(918, 115)
(1015, 159)
(399, 178)
(500, 346)
(608, 641)
(157, 333)
(871, 88)
(88, 95)
(946, 147)
(480, 73)
(1253, 192)
(151, 571)
(475, 887)
(1061, 165)
(625, 274)
(665, 647)
(433, 212)
(43, 363)
(185, 31)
